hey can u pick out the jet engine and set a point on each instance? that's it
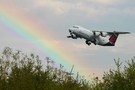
(104, 34)
(96, 33)
(74, 37)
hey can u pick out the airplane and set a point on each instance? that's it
(102, 38)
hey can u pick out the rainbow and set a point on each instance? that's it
(26, 27)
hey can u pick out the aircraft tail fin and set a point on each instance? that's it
(112, 40)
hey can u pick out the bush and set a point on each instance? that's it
(20, 72)
(117, 79)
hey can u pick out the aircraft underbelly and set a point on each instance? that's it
(102, 40)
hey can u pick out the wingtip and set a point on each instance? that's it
(128, 33)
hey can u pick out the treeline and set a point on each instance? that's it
(22, 72)
(19, 71)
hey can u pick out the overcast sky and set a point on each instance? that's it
(59, 15)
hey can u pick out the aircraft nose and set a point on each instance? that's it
(70, 30)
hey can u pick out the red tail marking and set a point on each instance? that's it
(113, 38)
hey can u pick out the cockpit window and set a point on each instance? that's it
(75, 27)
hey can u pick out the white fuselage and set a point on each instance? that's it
(88, 35)
(102, 38)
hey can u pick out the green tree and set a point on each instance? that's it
(22, 72)
(118, 79)
(19, 71)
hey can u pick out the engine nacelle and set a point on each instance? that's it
(103, 34)
(96, 33)
(74, 37)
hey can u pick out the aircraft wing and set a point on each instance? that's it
(118, 32)
(114, 32)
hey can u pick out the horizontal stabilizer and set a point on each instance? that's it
(118, 32)
(114, 32)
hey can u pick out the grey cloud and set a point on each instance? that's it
(89, 14)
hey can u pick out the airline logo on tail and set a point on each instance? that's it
(113, 38)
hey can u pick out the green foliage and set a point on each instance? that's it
(117, 79)
(21, 72)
